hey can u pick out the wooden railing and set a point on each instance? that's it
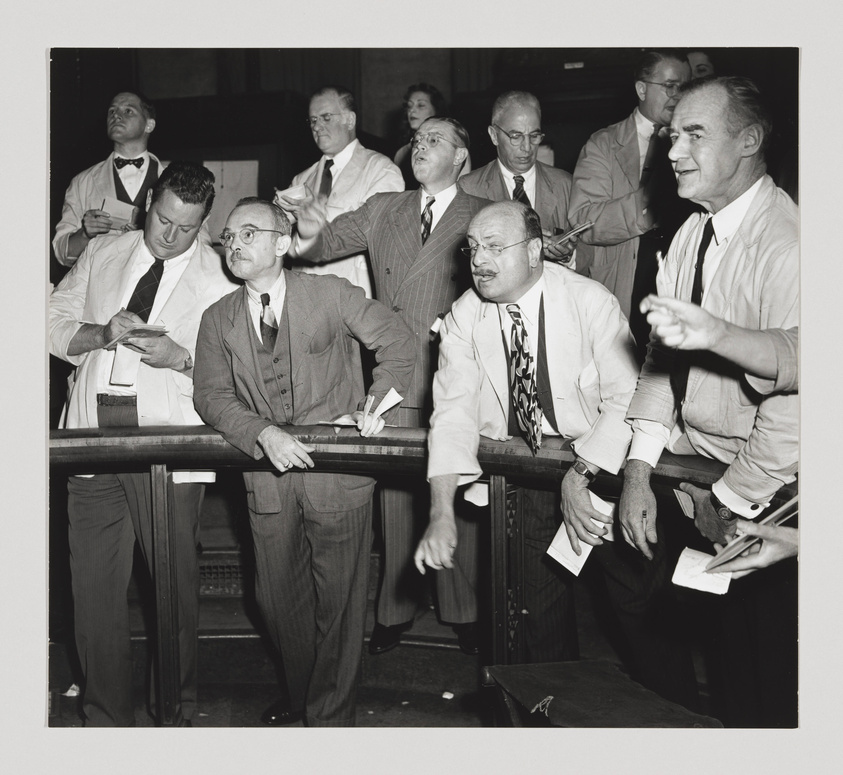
(159, 450)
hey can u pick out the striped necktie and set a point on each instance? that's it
(427, 219)
(269, 326)
(518, 193)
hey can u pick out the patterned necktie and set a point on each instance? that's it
(522, 381)
(143, 297)
(269, 326)
(518, 193)
(427, 219)
(327, 179)
(120, 163)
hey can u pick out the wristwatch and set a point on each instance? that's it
(582, 469)
(723, 511)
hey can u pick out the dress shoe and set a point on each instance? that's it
(387, 637)
(467, 637)
(279, 714)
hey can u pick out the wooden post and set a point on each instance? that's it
(167, 676)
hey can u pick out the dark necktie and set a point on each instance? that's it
(427, 219)
(650, 156)
(269, 326)
(684, 368)
(327, 179)
(120, 163)
(143, 297)
(522, 381)
(705, 241)
(518, 193)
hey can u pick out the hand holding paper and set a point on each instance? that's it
(369, 424)
(561, 548)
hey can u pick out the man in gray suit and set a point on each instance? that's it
(517, 174)
(413, 239)
(348, 174)
(277, 352)
(624, 185)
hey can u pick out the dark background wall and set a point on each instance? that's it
(227, 104)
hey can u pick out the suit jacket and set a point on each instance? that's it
(755, 286)
(553, 191)
(591, 364)
(417, 281)
(85, 192)
(366, 173)
(324, 314)
(91, 292)
(606, 191)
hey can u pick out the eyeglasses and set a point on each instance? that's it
(431, 141)
(670, 87)
(515, 138)
(246, 234)
(492, 250)
(325, 119)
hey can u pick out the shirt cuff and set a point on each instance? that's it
(649, 438)
(300, 246)
(737, 503)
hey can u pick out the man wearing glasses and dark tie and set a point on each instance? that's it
(347, 174)
(413, 239)
(517, 174)
(624, 184)
(126, 175)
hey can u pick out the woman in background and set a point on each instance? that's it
(421, 101)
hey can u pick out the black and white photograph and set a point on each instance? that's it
(431, 391)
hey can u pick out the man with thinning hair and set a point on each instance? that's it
(347, 174)
(162, 275)
(275, 353)
(517, 174)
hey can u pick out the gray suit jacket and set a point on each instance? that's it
(326, 314)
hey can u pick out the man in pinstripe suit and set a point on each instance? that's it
(413, 239)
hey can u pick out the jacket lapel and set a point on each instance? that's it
(627, 153)
(303, 322)
(488, 344)
(405, 222)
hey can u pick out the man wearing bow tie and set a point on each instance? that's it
(126, 175)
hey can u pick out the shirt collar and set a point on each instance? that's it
(276, 292)
(727, 221)
(643, 124)
(443, 198)
(343, 157)
(528, 303)
(146, 255)
(142, 155)
(509, 176)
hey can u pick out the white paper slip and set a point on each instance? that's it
(686, 502)
(125, 369)
(477, 493)
(121, 213)
(562, 551)
(690, 572)
(389, 400)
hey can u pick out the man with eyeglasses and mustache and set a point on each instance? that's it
(623, 183)
(348, 174)
(413, 239)
(568, 334)
(517, 174)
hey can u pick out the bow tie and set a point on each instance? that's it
(120, 163)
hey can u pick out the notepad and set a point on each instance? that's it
(690, 572)
(121, 213)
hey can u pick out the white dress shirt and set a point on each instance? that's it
(649, 438)
(131, 176)
(529, 182)
(277, 294)
(442, 200)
